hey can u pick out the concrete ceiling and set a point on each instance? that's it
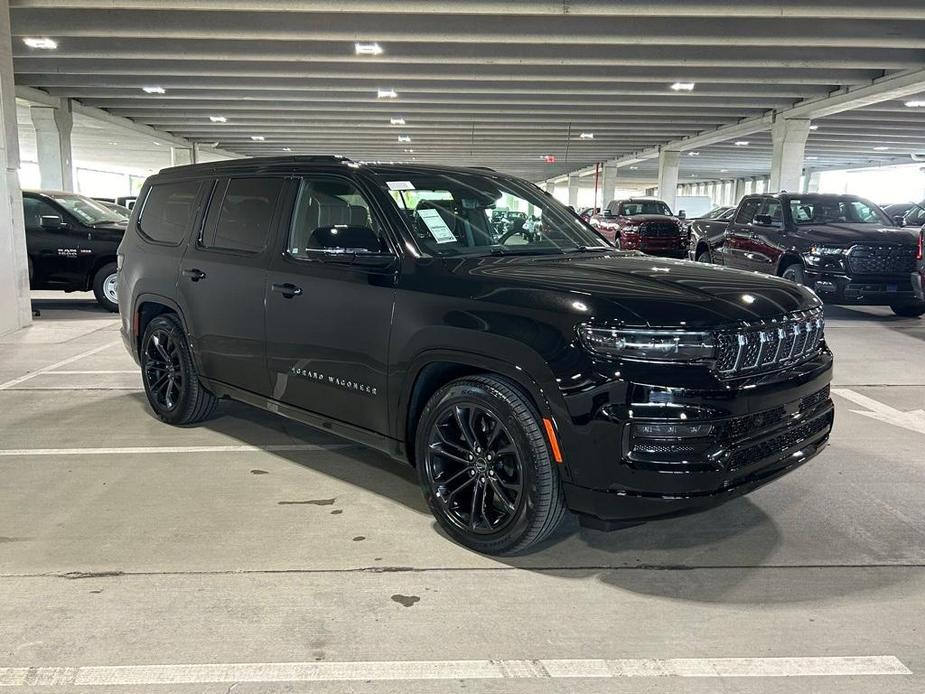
(499, 83)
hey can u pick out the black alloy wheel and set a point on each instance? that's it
(163, 372)
(474, 468)
(485, 466)
(169, 374)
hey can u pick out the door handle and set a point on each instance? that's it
(195, 274)
(288, 290)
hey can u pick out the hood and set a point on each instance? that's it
(849, 234)
(636, 289)
(641, 218)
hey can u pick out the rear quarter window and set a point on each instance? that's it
(168, 212)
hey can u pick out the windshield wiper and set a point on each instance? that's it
(589, 249)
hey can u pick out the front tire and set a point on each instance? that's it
(105, 285)
(794, 273)
(169, 374)
(909, 310)
(705, 257)
(485, 467)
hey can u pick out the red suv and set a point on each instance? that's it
(643, 224)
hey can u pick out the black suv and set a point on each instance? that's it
(842, 246)
(521, 378)
(72, 242)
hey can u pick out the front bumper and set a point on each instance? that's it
(757, 434)
(870, 290)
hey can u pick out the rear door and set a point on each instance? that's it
(223, 277)
(331, 292)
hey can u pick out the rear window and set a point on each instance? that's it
(242, 222)
(168, 211)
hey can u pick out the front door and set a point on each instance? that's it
(223, 277)
(740, 235)
(55, 251)
(330, 294)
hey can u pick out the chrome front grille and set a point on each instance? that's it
(881, 260)
(768, 346)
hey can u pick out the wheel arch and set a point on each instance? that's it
(147, 307)
(786, 260)
(98, 263)
(433, 369)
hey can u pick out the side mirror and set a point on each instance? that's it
(53, 222)
(606, 213)
(682, 214)
(765, 220)
(899, 220)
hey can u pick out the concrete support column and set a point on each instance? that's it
(53, 128)
(789, 142)
(668, 165)
(739, 191)
(812, 182)
(15, 307)
(608, 184)
(181, 156)
(574, 182)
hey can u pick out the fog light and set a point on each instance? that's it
(673, 431)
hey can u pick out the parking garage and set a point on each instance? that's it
(253, 552)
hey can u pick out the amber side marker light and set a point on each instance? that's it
(553, 441)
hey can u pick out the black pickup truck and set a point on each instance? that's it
(842, 246)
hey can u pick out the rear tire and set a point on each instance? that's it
(169, 374)
(794, 273)
(485, 467)
(909, 310)
(105, 286)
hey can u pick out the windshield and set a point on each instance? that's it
(629, 209)
(453, 214)
(832, 211)
(88, 211)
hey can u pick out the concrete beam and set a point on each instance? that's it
(896, 85)
(573, 185)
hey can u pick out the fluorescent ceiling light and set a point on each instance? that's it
(258, 138)
(387, 94)
(586, 136)
(634, 168)
(43, 43)
(287, 149)
(397, 121)
(812, 157)
(154, 90)
(693, 154)
(724, 170)
(915, 103)
(218, 119)
(814, 127)
(404, 138)
(742, 143)
(368, 48)
(409, 151)
(881, 149)
(683, 86)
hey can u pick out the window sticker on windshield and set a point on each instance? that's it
(400, 185)
(436, 226)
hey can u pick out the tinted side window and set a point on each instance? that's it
(331, 214)
(773, 209)
(748, 211)
(241, 214)
(33, 211)
(168, 211)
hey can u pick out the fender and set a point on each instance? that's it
(542, 392)
(173, 306)
(784, 260)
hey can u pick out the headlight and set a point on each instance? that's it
(649, 345)
(828, 250)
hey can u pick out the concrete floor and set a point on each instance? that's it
(323, 553)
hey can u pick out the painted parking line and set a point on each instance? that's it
(56, 365)
(88, 373)
(139, 675)
(914, 420)
(159, 450)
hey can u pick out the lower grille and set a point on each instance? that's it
(781, 442)
(881, 260)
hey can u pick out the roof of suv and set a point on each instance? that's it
(300, 163)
